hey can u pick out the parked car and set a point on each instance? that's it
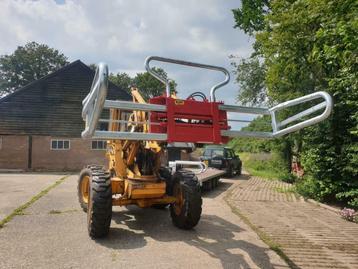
(223, 158)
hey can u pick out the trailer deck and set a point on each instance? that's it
(210, 178)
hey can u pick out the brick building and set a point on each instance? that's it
(41, 123)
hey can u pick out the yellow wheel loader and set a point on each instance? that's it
(138, 133)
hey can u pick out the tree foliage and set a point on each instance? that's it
(251, 16)
(148, 85)
(243, 144)
(122, 80)
(311, 45)
(250, 75)
(28, 63)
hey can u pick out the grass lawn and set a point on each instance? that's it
(264, 165)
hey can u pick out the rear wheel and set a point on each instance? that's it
(99, 213)
(186, 211)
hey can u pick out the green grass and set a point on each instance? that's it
(283, 190)
(20, 210)
(56, 212)
(267, 166)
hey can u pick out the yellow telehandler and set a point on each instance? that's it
(138, 132)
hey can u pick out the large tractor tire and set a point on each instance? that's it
(83, 185)
(186, 211)
(99, 212)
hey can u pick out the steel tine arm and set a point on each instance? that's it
(276, 131)
(186, 63)
(94, 101)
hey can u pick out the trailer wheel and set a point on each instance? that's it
(186, 211)
(99, 213)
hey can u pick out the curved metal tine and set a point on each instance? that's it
(327, 104)
(94, 101)
(202, 166)
(95, 79)
(186, 63)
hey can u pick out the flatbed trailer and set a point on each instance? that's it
(210, 178)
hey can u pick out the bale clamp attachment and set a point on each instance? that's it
(177, 120)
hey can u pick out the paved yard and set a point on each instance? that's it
(52, 234)
(311, 236)
(18, 188)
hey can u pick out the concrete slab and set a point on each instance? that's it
(18, 188)
(53, 234)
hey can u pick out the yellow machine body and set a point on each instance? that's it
(129, 186)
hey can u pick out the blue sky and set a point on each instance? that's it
(123, 33)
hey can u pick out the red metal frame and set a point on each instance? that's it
(189, 120)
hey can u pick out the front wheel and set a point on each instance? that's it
(186, 211)
(99, 212)
(83, 188)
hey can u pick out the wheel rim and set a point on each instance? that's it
(85, 189)
(178, 194)
(89, 210)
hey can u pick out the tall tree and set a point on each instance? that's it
(251, 16)
(311, 45)
(250, 75)
(148, 85)
(122, 80)
(28, 63)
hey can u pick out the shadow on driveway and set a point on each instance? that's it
(214, 235)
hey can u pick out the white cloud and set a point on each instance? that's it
(122, 33)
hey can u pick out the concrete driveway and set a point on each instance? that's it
(52, 234)
(18, 188)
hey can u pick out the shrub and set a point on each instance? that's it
(349, 214)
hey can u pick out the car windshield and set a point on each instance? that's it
(214, 152)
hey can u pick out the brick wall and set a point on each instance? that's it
(79, 154)
(13, 151)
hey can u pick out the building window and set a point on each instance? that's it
(99, 144)
(57, 144)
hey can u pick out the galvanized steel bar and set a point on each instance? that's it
(94, 101)
(125, 105)
(245, 109)
(302, 114)
(239, 120)
(129, 136)
(186, 63)
(232, 133)
(129, 121)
